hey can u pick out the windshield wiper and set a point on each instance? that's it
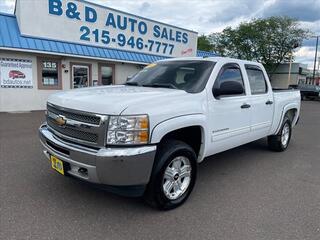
(161, 85)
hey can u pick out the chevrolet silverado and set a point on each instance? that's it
(147, 137)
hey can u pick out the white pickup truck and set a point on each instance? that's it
(146, 138)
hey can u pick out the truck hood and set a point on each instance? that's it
(113, 100)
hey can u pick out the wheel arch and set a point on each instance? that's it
(189, 128)
(292, 111)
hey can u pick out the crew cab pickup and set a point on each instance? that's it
(146, 138)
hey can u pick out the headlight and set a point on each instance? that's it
(124, 130)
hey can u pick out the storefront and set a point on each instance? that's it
(75, 44)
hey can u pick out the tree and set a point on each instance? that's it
(270, 41)
(204, 43)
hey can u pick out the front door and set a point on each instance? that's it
(80, 76)
(230, 115)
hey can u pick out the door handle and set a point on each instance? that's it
(245, 105)
(269, 102)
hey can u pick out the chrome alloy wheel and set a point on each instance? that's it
(285, 135)
(177, 178)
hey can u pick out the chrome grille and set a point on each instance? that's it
(74, 133)
(77, 126)
(75, 116)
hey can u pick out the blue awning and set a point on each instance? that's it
(11, 38)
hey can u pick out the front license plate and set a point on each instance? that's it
(57, 164)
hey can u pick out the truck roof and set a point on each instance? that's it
(213, 59)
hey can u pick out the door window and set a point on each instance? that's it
(257, 80)
(230, 80)
(80, 76)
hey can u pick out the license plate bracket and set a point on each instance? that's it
(57, 165)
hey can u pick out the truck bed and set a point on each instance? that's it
(283, 100)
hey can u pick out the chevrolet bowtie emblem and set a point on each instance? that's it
(60, 120)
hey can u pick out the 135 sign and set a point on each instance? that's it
(50, 65)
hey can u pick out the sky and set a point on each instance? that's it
(208, 16)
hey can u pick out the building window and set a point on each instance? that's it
(106, 74)
(49, 74)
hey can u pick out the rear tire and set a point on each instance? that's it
(173, 176)
(280, 142)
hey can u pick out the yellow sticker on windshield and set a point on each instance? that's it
(151, 65)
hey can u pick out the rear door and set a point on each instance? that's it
(229, 115)
(261, 101)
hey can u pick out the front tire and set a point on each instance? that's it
(173, 177)
(280, 142)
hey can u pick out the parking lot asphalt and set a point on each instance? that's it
(245, 193)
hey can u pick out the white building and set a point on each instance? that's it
(71, 44)
(282, 79)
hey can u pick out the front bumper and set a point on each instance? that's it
(114, 167)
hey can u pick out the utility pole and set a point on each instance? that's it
(315, 60)
(318, 71)
(290, 67)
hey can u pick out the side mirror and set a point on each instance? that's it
(129, 78)
(228, 88)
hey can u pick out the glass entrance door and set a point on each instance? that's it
(80, 76)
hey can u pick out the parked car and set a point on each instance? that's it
(16, 74)
(147, 137)
(308, 91)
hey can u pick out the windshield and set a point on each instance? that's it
(190, 76)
